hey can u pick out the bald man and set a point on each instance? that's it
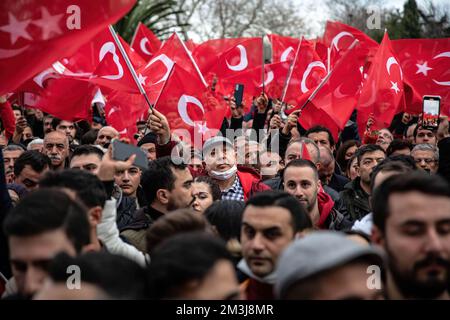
(56, 147)
(105, 135)
(327, 172)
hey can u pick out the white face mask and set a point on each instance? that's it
(223, 175)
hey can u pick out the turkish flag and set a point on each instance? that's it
(242, 57)
(190, 107)
(426, 65)
(207, 53)
(145, 42)
(382, 92)
(334, 100)
(339, 37)
(68, 99)
(275, 75)
(36, 33)
(283, 48)
(123, 110)
(307, 72)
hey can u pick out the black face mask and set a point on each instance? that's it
(410, 287)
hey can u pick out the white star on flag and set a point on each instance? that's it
(142, 79)
(16, 28)
(395, 87)
(202, 128)
(48, 23)
(423, 68)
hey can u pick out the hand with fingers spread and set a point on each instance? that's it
(291, 122)
(108, 166)
(159, 125)
(442, 131)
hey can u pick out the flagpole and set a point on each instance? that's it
(326, 78)
(328, 59)
(134, 35)
(130, 66)
(192, 60)
(291, 69)
(160, 92)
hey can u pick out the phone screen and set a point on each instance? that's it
(238, 94)
(122, 151)
(430, 112)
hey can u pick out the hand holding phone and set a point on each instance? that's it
(430, 112)
(238, 94)
(123, 151)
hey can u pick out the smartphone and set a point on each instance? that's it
(238, 94)
(430, 112)
(122, 151)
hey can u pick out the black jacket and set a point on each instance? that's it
(444, 158)
(354, 202)
(338, 182)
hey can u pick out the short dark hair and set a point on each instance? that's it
(419, 127)
(367, 148)
(176, 222)
(416, 181)
(342, 150)
(88, 187)
(55, 122)
(36, 160)
(117, 276)
(215, 189)
(316, 129)
(301, 163)
(398, 144)
(89, 137)
(83, 150)
(226, 217)
(389, 165)
(159, 175)
(16, 107)
(47, 210)
(181, 259)
(299, 216)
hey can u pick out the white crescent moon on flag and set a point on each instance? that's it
(4, 53)
(442, 55)
(110, 47)
(285, 54)
(390, 62)
(313, 64)
(335, 41)
(243, 61)
(268, 79)
(142, 44)
(182, 108)
(168, 63)
(338, 94)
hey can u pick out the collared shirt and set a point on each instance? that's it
(235, 192)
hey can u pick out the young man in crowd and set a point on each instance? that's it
(29, 168)
(411, 214)
(270, 222)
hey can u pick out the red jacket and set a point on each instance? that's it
(325, 204)
(250, 181)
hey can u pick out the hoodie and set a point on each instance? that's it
(330, 217)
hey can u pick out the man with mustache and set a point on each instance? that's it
(56, 147)
(411, 214)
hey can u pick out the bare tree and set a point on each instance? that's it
(236, 18)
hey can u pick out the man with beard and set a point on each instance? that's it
(66, 127)
(56, 147)
(411, 216)
(301, 179)
(167, 185)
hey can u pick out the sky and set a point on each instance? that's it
(318, 11)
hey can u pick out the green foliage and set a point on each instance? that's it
(157, 15)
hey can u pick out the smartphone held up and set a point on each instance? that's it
(430, 112)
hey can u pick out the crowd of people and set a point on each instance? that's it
(313, 218)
